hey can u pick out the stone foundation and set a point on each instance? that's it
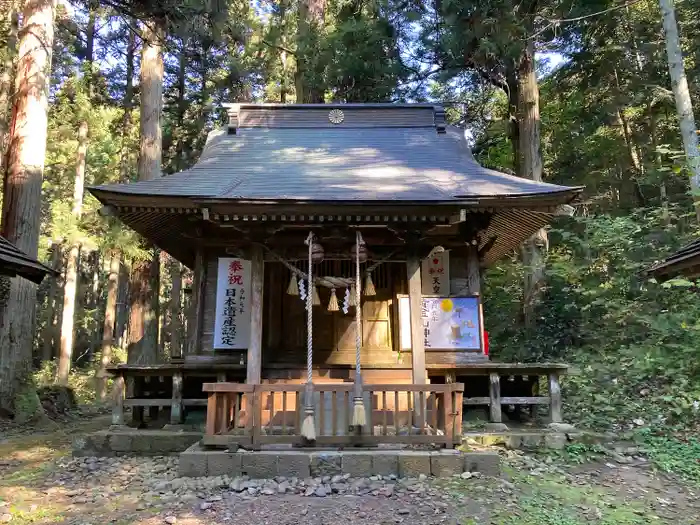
(123, 442)
(199, 462)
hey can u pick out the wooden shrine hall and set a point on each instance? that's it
(337, 253)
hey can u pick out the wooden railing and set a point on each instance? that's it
(271, 414)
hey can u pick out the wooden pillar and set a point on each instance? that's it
(254, 361)
(118, 401)
(473, 272)
(495, 395)
(415, 299)
(197, 303)
(554, 398)
(176, 405)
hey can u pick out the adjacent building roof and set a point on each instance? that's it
(15, 262)
(339, 153)
(276, 161)
(685, 261)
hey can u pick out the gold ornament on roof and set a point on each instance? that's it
(336, 116)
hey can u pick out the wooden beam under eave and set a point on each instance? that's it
(415, 298)
(254, 361)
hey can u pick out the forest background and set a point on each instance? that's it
(574, 92)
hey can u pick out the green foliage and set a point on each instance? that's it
(632, 341)
(680, 457)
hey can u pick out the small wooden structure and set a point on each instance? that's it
(685, 263)
(388, 187)
(14, 262)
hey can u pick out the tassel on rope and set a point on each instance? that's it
(333, 302)
(358, 413)
(308, 429)
(293, 288)
(369, 286)
(317, 298)
(352, 299)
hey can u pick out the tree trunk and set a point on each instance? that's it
(684, 106)
(6, 77)
(530, 167)
(128, 107)
(22, 192)
(72, 266)
(143, 327)
(311, 15)
(48, 337)
(109, 325)
(151, 140)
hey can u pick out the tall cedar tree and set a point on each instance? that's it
(22, 191)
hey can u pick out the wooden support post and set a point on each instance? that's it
(473, 273)
(495, 395)
(417, 335)
(137, 411)
(194, 328)
(448, 409)
(176, 406)
(415, 299)
(554, 398)
(254, 361)
(118, 401)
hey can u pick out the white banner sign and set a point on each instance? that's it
(232, 323)
(435, 274)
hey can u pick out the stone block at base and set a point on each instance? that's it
(121, 441)
(223, 464)
(293, 465)
(193, 463)
(385, 464)
(357, 464)
(488, 463)
(259, 465)
(326, 463)
(445, 465)
(413, 464)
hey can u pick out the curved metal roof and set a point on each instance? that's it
(14, 262)
(377, 153)
(685, 261)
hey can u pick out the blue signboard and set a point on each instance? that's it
(449, 323)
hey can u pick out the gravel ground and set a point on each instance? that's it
(148, 491)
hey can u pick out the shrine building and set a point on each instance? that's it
(377, 217)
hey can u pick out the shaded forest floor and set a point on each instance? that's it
(41, 484)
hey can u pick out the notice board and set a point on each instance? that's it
(449, 323)
(232, 322)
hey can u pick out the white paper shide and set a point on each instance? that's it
(232, 323)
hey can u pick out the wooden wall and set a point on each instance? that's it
(284, 319)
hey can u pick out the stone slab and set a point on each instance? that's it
(293, 464)
(326, 463)
(413, 464)
(193, 463)
(259, 465)
(224, 464)
(488, 463)
(385, 464)
(197, 462)
(122, 441)
(445, 465)
(358, 464)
